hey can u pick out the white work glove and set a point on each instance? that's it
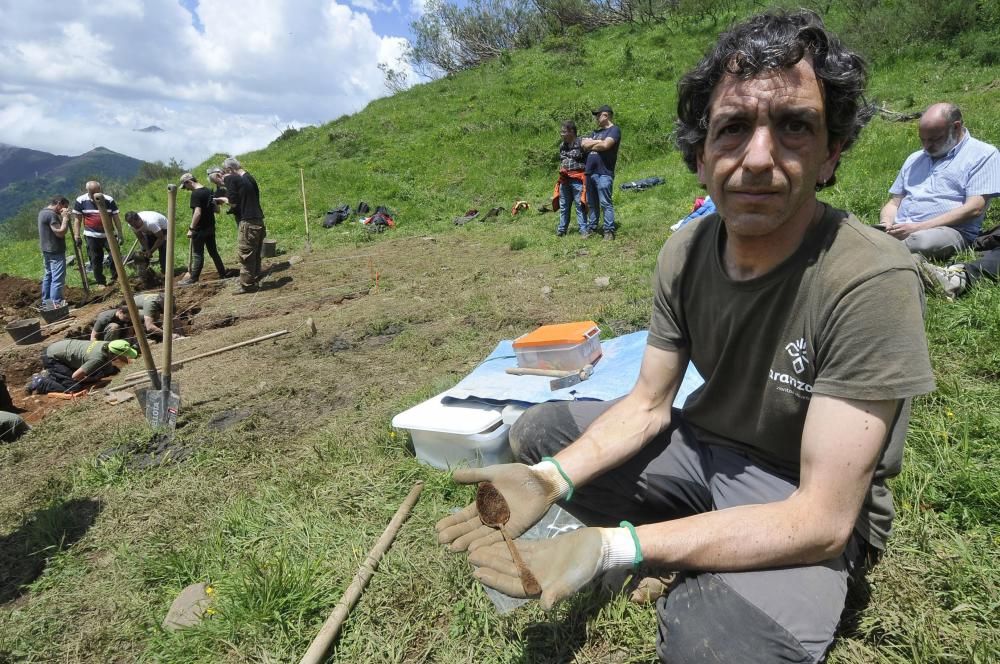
(562, 565)
(528, 490)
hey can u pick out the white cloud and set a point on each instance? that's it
(95, 76)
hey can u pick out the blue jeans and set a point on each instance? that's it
(54, 276)
(600, 189)
(569, 193)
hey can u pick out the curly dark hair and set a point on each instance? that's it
(776, 40)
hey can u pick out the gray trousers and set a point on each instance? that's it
(936, 243)
(787, 614)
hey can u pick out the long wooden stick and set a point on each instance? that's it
(305, 211)
(332, 626)
(116, 256)
(168, 297)
(78, 252)
(137, 377)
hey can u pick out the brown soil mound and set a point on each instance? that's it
(19, 297)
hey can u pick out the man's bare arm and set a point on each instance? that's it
(970, 209)
(594, 145)
(887, 217)
(631, 423)
(841, 444)
(161, 237)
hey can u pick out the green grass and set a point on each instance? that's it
(278, 512)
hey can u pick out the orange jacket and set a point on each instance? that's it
(565, 176)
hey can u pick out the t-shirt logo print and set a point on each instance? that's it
(797, 350)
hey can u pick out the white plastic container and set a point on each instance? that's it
(566, 346)
(456, 434)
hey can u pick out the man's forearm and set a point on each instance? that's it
(613, 438)
(887, 217)
(741, 538)
(972, 208)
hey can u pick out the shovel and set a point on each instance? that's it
(133, 312)
(162, 404)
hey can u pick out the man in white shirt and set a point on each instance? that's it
(151, 230)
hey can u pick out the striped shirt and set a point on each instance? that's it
(931, 187)
(87, 208)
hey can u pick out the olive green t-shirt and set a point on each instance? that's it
(87, 355)
(149, 304)
(841, 317)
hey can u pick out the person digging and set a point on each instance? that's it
(110, 325)
(71, 364)
(767, 491)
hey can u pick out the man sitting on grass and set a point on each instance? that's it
(768, 490)
(942, 192)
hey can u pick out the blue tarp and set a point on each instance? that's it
(614, 375)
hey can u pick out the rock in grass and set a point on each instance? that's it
(602, 282)
(188, 609)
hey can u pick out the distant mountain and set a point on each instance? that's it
(22, 163)
(151, 129)
(28, 176)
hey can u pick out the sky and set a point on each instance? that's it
(218, 76)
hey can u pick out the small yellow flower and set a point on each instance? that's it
(949, 413)
(209, 611)
(392, 434)
(209, 590)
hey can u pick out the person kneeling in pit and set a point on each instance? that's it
(767, 492)
(71, 364)
(110, 325)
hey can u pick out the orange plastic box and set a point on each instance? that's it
(567, 346)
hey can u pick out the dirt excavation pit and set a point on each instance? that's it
(20, 297)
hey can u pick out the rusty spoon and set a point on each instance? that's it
(495, 513)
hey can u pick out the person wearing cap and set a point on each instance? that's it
(150, 229)
(252, 231)
(202, 230)
(71, 363)
(87, 219)
(602, 155)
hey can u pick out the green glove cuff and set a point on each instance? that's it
(635, 538)
(569, 492)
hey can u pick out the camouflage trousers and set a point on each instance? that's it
(251, 242)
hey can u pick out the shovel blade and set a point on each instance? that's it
(160, 412)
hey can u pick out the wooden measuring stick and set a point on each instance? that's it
(133, 312)
(137, 377)
(78, 252)
(305, 211)
(332, 626)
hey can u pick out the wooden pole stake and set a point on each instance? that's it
(116, 256)
(332, 626)
(305, 211)
(78, 252)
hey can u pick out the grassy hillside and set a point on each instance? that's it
(279, 511)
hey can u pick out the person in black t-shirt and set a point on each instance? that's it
(251, 216)
(221, 194)
(201, 231)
